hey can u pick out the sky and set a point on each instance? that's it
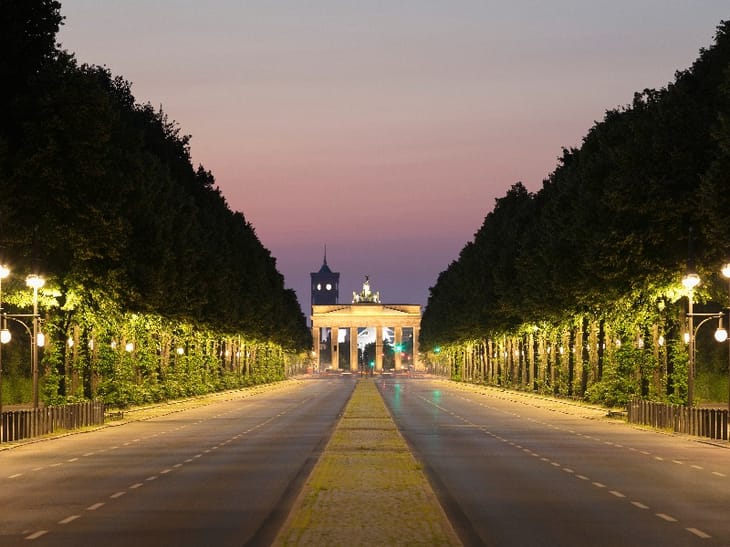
(383, 129)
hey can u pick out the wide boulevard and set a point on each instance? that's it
(222, 474)
(517, 470)
(509, 470)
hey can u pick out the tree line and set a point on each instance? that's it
(99, 195)
(575, 289)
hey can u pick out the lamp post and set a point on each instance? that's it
(35, 282)
(690, 281)
(4, 337)
(726, 273)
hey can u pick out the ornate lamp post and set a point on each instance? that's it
(726, 273)
(4, 336)
(35, 282)
(690, 281)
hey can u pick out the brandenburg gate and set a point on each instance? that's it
(366, 311)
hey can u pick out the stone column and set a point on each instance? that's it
(316, 341)
(398, 341)
(334, 344)
(416, 360)
(378, 349)
(353, 349)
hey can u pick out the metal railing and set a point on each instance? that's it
(24, 424)
(702, 422)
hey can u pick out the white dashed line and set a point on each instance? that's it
(616, 493)
(69, 519)
(599, 485)
(94, 507)
(136, 485)
(118, 494)
(666, 517)
(165, 471)
(72, 460)
(152, 478)
(717, 473)
(639, 505)
(15, 476)
(582, 477)
(36, 535)
(698, 533)
(697, 467)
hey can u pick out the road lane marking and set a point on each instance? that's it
(616, 493)
(582, 477)
(16, 476)
(598, 485)
(639, 505)
(659, 458)
(95, 506)
(698, 533)
(568, 470)
(719, 474)
(36, 535)
(118, 494)
(177, 465)
(697, 467)
(666, 517)
(72, 460)
(152, 478)
(165, 471)
(89, 454)
(69, 519)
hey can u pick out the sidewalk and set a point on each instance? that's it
(367, 488)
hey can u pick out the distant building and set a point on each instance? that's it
(325, 285)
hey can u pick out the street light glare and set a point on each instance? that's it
(35, 281)
(4, 271)
(726, 270)
(721, 334)
(691, 280)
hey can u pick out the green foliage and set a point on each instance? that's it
(99, 194)
(606, 238)
(625, 376)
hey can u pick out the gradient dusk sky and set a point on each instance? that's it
(383, 129)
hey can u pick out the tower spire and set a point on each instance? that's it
(325, 254)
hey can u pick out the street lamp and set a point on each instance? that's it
(726, 274)
(4, 337)
(690, 281)
(35, 282)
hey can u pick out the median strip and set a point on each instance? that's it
(367, 488)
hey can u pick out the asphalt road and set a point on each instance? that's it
(223, 474)
(510, 473)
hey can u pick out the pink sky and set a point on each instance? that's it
(384, 130)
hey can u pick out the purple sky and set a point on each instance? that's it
(383, 129)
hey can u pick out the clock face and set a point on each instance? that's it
(319, 286)
(328, 286)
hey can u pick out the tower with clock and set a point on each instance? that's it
(325, 284)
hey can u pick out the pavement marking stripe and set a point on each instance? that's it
(94, 507)
(152, 478)
(666, 517)
(165, 471)
(697, 467)
(617, 493)
(118, 494)
(36, 535)
(599, 485)
(15, 476)
(69, 519)
(136, 485)
(698, 533)
(72, 460)
(719, 474)
(639, 505)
